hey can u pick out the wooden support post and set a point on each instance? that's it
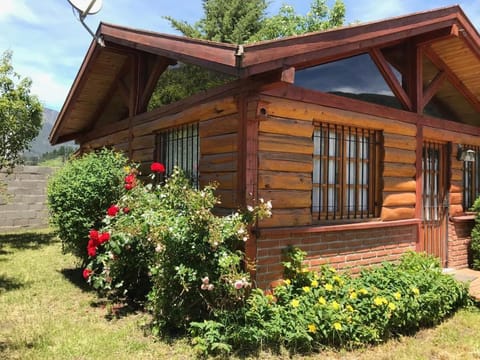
(419, 185)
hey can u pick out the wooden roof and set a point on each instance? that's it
(116, 81)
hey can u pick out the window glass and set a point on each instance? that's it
(345, 169)
(356, 77)
(180, 147)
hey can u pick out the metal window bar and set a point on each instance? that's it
(345, 169)
(433, 191)
(180, 147)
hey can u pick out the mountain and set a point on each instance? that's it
(40, 145)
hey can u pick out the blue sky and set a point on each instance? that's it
(49, 44)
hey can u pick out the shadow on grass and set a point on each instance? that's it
(8, 284)
(26, 240)
(74, 275)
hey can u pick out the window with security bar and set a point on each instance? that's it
(471, 179)
(345, 172)
(180, 147)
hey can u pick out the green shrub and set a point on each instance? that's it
(79, 193)
(165, 243)
(313, 310)
(475, 243)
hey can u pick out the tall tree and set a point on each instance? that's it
(20, 113)
(287, 22)
(244, 21)
(230, 21)
(238, 22)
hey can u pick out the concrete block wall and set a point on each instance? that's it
(25, 205)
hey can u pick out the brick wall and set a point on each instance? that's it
(459, 236)
(345, 249)
(25, 205)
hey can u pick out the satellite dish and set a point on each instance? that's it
(86, 7)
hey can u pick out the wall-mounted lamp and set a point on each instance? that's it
(464, 154)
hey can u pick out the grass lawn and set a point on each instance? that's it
(48, 312)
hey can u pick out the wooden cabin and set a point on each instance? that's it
(362, 137)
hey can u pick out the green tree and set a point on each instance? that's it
(287, 22)
(237, 22)
(20, 113)
(240, 21)
(230, 21)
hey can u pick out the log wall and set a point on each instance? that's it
(218, 131)
(285, 159)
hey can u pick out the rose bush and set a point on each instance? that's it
(169, 248)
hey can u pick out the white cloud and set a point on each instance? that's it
(17, 9)
(50, 91)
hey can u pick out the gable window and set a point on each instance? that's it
(471, 180)
(180, 147)
(345, 172)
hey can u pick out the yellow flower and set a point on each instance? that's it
(353, 295)
(363, 291)
(338, 279)
(337, 326)
(397, 295)
(321, 300)
(350, 308)
(295, 303)
(127, 169)
(328, 287)
(305, 270)
(335, 305)
(392, 306)
(380, 301)
(312, 328)
(332, 269)
(269, 297)
(416, 291)
(314, 283)
(306, 289)
(287, 281)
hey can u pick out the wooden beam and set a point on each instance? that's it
(419, 185)
(433, 87)
(455, 81)
(437, 35)
(215, 56)
(295, 93)
(108, 95)
(390, 78)
(313, 49)
(414, 75)
(288, 75)
(159, 66)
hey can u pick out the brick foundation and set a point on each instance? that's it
(459, 236)
(343, 248)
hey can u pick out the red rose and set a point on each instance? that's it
(128, 186)
(130, 178)
(91, 250)
(104, 237)
(126, 210)
(87, 273)
(157, 167)
(93, 235)
(113, 210)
